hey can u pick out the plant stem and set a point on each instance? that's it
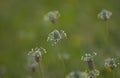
(41, 76)
(62, 59)
(63, 62)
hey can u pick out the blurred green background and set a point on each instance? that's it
(22, 28)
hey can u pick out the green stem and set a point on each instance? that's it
(63, 62)
(40, 70)
(62, 59)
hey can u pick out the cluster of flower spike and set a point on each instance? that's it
(56, 35)
(35, 55)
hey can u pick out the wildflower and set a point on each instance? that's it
(37, 53)
(89, 59)
(110, 63)
(77, 74)
(34, 56)
(92, 72)
(52, 16)
(55, 36)
(104, 14)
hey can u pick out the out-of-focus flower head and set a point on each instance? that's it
(110, 63)
(104, 14)
(87, 57)
(33, 58)
(55, 36)
(52, 16)
(92, 72)
(37, 53)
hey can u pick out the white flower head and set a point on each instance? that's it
(87, 57)
(55, 36)
(37, 53)
(104, 14)
(110, 63)
(52, 16)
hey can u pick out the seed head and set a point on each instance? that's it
(52, 16)
(37, 53)
(87, 57)
(55, 36)
(104, 15)
(110, 63)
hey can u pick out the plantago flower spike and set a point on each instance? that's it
(55, 36)
(89, 59)
(37, 53)
(104, 14)
(110, 63)
(52, 16)
(92, 73)
(34, 56)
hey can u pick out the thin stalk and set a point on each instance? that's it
(40, 70)
(64, 66)
(62, 59)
